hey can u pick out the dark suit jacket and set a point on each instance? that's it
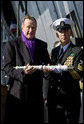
(67, 81)
(16, 54)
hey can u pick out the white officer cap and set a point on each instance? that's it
(63, 23)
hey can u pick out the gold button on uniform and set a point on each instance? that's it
(59, 80)
(58, 88)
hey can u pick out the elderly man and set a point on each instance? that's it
(24, 101)
(64, 92)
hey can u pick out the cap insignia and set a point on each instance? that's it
(62, 23)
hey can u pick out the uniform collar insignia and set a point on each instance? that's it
(72, 54)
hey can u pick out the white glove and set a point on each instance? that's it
(57, 70)
(60, 68)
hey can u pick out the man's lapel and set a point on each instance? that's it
(67, 53)
(24, 52)
(62, 58)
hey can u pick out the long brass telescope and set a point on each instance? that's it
(41, 67)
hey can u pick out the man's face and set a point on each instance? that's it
(29, 28)
(64, 36)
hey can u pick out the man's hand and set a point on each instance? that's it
(29, 69)
(47, 70)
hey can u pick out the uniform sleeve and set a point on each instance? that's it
(77, 72)
(10, 62)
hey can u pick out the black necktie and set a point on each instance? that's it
(60, 56)
(61, 51)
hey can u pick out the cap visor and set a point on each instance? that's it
(63, 28)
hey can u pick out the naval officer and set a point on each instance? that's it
(64, 91)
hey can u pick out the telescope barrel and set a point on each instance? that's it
(52, 67)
